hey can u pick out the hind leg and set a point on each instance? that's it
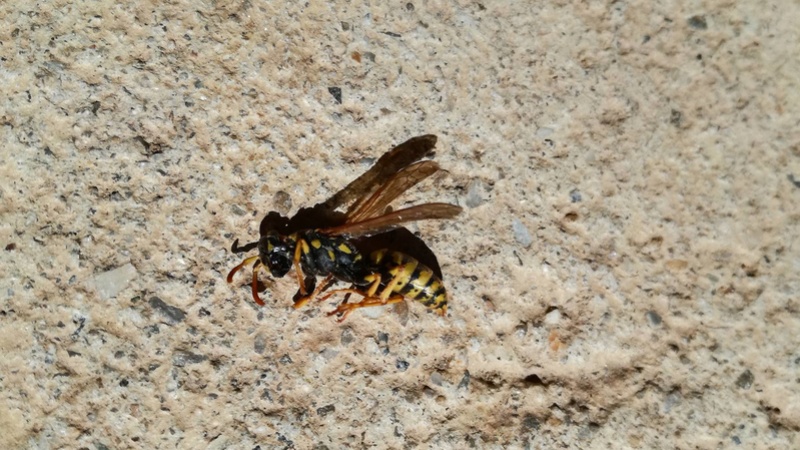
(346, 308)
(370, 298)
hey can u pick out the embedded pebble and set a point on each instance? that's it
(521, 233)
(552, 317)
(112, 282)
(474, 194)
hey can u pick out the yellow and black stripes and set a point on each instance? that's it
(386, 277)
(408, 277)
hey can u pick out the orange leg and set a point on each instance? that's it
(346, 308)
(373, 288)
(384, 296)
(254, 283)
(326, 283)
(369, 297)
(239, 267)
(302, 247)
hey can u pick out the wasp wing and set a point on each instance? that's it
(394, 219)
(387, 165)
(403, 180)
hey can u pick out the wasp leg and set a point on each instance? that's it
(299, 250)
(326, 284)
(239, 267)
(375, 278)
(346, 308)
(369, 297)
(373, 288)
(254, 283)
(387, 291)
(322, 287)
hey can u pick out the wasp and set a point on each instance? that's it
(332, 251)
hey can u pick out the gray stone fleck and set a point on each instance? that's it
(672, 399)
(654, 318)
(474, 194)
(259, 343)
(182, 358)
(698, 22)
(521, 234)
(174, 315)
(325, 410)
(347, 336)
(745, 380)
(464, 383)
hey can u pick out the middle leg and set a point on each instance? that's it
(301, 299)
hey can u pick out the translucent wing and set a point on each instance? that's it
(387, 165)
(389, 221)
(403, 180)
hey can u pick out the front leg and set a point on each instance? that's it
(299, 250)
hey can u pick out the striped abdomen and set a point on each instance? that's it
(411, 279)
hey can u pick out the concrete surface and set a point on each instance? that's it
(625, 273)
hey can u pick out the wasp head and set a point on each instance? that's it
(276, 251)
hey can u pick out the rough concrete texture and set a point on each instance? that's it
(624, 275)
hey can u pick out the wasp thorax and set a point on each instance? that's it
(276, 253)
